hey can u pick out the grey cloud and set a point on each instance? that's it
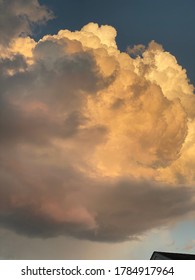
(121, 211)
(15, 64)
(60, 86)
(131, 208)
(17, 17)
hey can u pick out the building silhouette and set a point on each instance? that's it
(171, 256)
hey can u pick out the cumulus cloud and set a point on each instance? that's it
(94, 143)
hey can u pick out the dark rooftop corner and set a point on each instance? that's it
(171, 256)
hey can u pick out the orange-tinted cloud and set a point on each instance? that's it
(94, 143)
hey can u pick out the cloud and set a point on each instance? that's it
(94, 144)
(18, 17)
(43, 204)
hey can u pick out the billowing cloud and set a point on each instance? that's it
(94, 143)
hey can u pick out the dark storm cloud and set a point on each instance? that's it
(131, 208)
(107, 211)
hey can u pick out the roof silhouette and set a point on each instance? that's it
(171, 256)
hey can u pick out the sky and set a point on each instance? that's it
(97, 129)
